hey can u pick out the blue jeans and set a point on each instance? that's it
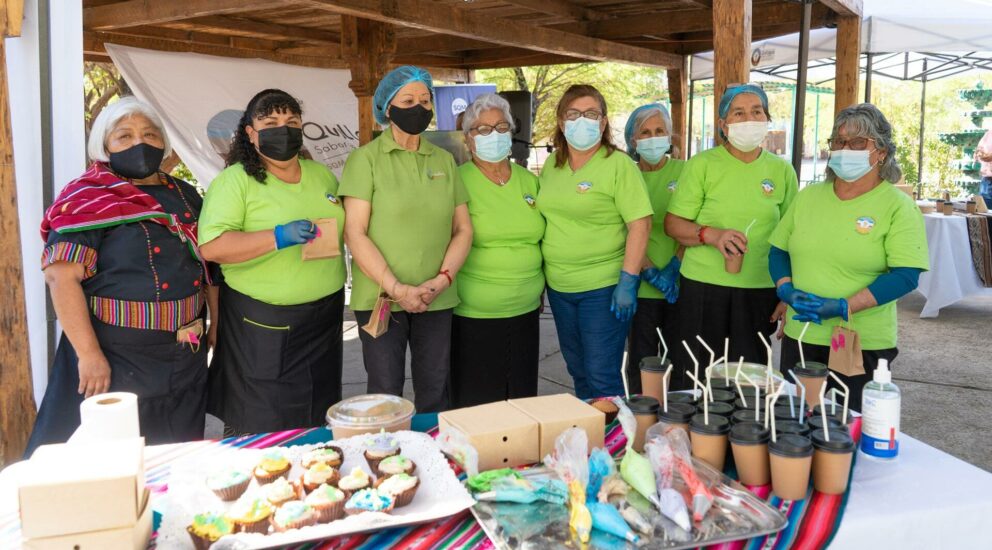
(591, 340)
(985, 190)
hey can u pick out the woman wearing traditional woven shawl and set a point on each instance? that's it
(128, 285)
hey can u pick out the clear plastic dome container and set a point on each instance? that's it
(369, 413)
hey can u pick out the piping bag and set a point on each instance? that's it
(571, 464)
(455, 443)
(524, 491)
(702, 497)
(605, 517)
(670, 501)
(634, 468)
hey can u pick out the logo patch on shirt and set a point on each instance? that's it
(767, 187)
(332, 198)
(529, 199)
(434, 174)
(671, 186)
(864, 225)
(583, 187)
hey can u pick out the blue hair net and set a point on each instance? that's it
(734, 91)
(638, 117)
(391, 83)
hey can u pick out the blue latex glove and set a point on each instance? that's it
(671, 274)
(816, 309)
(294, 233)
(624, 302)
(789, 294)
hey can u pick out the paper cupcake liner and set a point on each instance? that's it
(404, 498)
(302, 522)
(374, 461)
(333, 464)
(309, 487)
(380, 474)
(228, 494)
(199, 543)
(350, 492)
(356, 511)
(270, 476)
(260, 526)
(329, 511)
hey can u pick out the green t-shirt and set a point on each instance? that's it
(413, 196)
(716, 189)
(502, 275)
(587, 213)
(235, 201)
(840, 247)
(661, 185)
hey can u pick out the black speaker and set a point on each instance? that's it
(522, 109)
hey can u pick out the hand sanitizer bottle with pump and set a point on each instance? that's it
(880, 406)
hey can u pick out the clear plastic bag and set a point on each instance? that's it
(455, 444)
(571, 463)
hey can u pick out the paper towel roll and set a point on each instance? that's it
(108, 416)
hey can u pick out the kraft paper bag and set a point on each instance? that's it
(845, 352)
(326, 243)
(379, 321)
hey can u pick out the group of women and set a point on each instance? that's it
(453, 261)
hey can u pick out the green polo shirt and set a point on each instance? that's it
(718, 190)
(587, 213)
(840, 247)
(235, 201)
(502, 276)
(413, 196)
(661, 186)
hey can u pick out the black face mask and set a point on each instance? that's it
(412, 120)
(281, 142)
(137, 162)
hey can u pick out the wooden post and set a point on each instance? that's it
(17, 409)
(731, 49)
(848, 62)
(368, 46)
(678, 92)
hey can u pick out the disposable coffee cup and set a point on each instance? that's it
(745, 415)
(733, 264)
(971, 207)
(816, 423)
(681, 397)
(716, 407)
(653, 377)
(645, 409)
(709, 440)
(724, 396)
(751, 403)
(948, 208)
(812, 376)
(831, 461)
(791, 427)
(785, 412)
(677, 415)
(749, 444)
(791, 458)
(837, 415)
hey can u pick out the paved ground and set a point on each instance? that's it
(944, 365)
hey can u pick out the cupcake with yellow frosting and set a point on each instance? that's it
(402, 487)
(326, 454)
(273, 464)
(327, 502)
(280, 492)
(250, 515)
(355, 481)
(318, 474)
(207, 528)
(293, 515)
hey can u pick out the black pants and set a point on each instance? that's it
(821, 354)
(716, 312)
(276, 367)
(643, 340)
(429, 336)
(493, 359)
(169, 378)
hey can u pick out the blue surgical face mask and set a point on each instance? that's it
(850, 165)
(494, 147)
(582, 134)
(652, 149)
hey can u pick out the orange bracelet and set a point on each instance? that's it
(702, 230)
(447, 273)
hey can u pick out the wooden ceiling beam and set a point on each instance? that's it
(561, 8)
(426, 15)
(439, 43)
(850, 7)
(275, 30)
(134, 13)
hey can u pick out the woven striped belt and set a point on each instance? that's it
(169, 316)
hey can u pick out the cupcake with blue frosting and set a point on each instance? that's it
(293, 515)
(369, 500)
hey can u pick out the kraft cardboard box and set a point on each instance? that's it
(135, 536)
(557, 413)
(503, 435)
(82, 487)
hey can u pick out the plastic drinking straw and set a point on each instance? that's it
(623, 376)
(737, 381)
(768, 371)
(771, 405)
(757, 399)
(749, 226)
(709, 349)
(664, 386)
(726, 361)
(823, 413)
(847, 395)
(834, 392)
(663, 345)
(706, 407)
(802, 358)
(695, 365)
(802, 398)
(708, 373)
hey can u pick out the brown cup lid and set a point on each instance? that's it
(791, 446)
(718, 425)
(678, 413)
(749, 433)
(791, 427)
(840, 441)
(642, 404)
(652, 363)
(716, 407)
(811, 370)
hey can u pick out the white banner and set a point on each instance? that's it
(201, 98)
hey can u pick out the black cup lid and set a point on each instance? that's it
(840, 441)
(751, 404)
(716, 407)
(745, 415)
(791, 445)
(749, 433)
(725, 396)
(816, 423)
(718, 425)
(791, 427)
(653, 363)
(678, 413)
(721, 384)
(838, 415)
(811, 370)
(786, 412)
(642, 404)
(681, 397)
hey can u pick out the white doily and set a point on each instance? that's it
(440, 494)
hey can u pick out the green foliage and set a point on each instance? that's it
(183, 172)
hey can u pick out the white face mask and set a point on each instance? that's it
(747, 136)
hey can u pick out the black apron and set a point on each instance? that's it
(168, 377)
(275, 367)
